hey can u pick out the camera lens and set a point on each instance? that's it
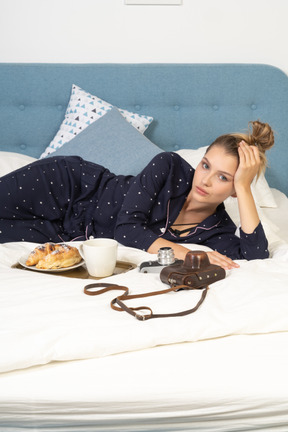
(166, 256)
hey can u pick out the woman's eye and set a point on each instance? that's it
(205, 165)
(223, 178)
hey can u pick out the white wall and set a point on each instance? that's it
(109, 31)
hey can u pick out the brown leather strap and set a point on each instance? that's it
(90, 290)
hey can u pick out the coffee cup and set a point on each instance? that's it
(100, 256)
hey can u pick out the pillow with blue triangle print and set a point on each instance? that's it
(84, 109)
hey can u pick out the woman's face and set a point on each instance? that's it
(214, 177)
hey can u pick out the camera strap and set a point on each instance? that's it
(118, 302)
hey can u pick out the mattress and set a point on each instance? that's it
(238, 383)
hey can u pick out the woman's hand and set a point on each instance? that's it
(221, 260)
(249, 164)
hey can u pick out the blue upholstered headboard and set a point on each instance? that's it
(191, 103)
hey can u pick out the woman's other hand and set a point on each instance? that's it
(221, 260)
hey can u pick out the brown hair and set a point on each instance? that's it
(259, 134)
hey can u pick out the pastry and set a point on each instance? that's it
(63, 256)
(39, 253)
(53, 256)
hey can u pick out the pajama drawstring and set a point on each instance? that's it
(79, 237)
(163, 230)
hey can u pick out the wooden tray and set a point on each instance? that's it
(82, 273)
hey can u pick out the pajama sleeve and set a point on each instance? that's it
(147, 198)
(242, 246)
(254, 245)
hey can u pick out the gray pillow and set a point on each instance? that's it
(112, 142)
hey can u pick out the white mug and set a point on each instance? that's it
(100, 256)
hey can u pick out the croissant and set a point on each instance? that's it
(39, 253)
(63, 256)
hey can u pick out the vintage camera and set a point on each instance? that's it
(195, 272)
(165, 258)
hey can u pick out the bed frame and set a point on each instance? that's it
(191, 103)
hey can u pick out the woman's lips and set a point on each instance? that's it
(201, 191)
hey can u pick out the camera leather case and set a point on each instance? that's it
(195, 271)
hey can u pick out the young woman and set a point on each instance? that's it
(66, 198)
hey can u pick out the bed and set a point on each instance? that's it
(68, 361)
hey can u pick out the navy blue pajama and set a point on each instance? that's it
(58, 199)
(66, 198)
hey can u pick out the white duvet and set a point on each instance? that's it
(47, 318)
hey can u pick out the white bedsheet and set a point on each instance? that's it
(45, 318)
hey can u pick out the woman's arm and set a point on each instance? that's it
(181, 251)
(247, 170)
(254, 244)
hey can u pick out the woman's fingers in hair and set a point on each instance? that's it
(249, 163)
(249, 154)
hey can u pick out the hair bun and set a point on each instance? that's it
(262, 135)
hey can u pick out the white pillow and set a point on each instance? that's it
(10, 161)
(260, 189)
(82, 110)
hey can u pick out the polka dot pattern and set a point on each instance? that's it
(68, 198)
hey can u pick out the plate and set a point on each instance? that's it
(23, 259)
(78, 271)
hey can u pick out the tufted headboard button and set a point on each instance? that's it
(215, 107)
(23, 146)
(21, 107)
(253, 107)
